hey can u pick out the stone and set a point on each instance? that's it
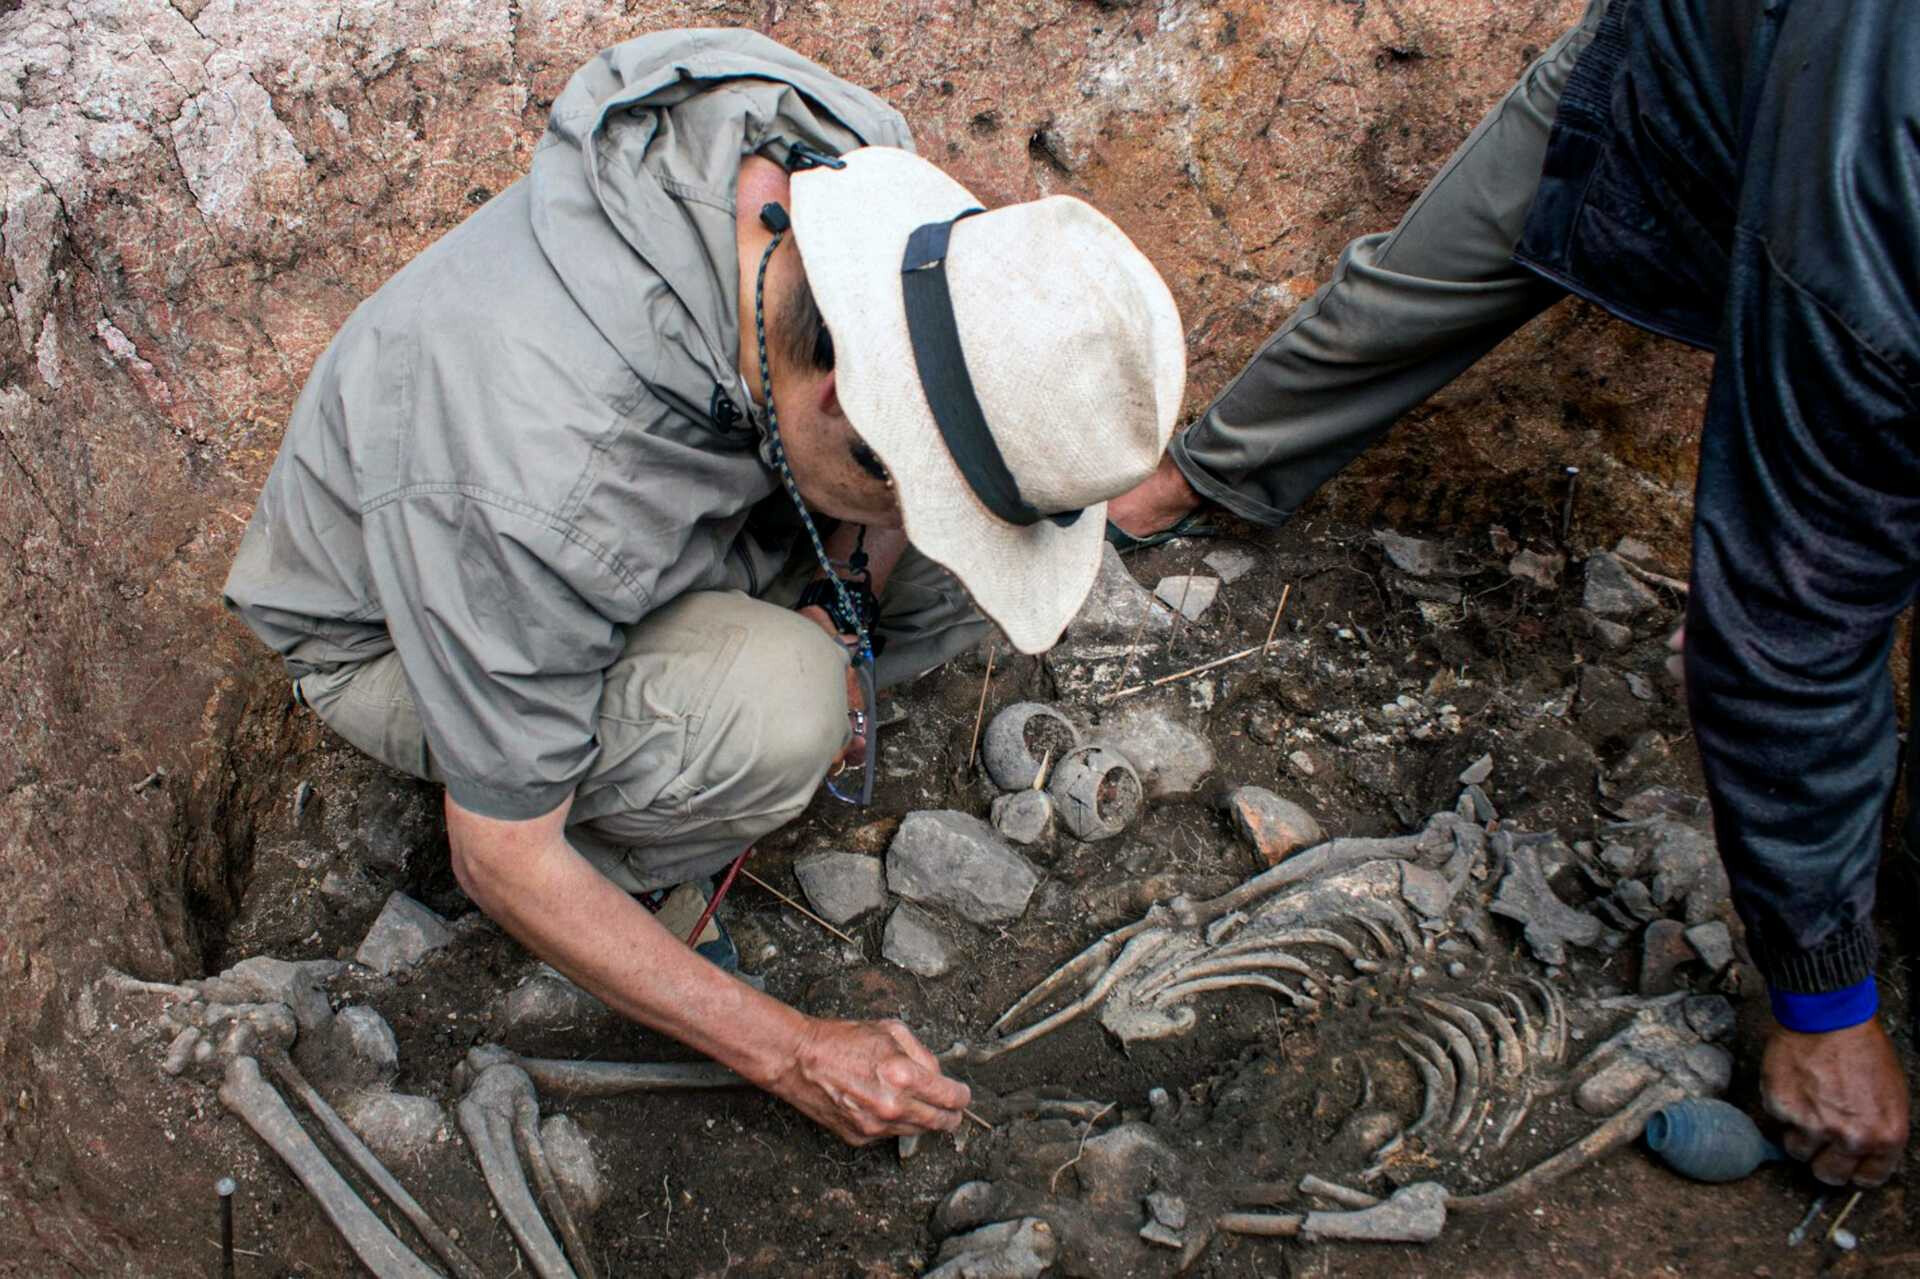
(1302, 763)
(405, 933)
(1020, 739)
(1274, 826)
(299, 984)
(1613, 592)
(1681, 855)
(1634, 896)
(1024, 816)
(1265, 727)
(1424, 589)
(1119, 1167)
(1230, 564)
(1021, 1249)
(1168, 1210)
(1477, 773)
(1188, 595)
(1713, 943)
(1632, 548)
(1117, 609)
(363, 1047)
(1640, 687)
(1162, 1235)
(1524, 895)
(543, 1003)
(1474, 801)
(394, 1125)
(842, 886)
(914, 941)
(1541, 570)
(1624, 860)
(1610, 634)
(1169, 757)
(1095, 792)
(570, 1154)
(1663, 949)
(969, 1205)
(1415, 556)
(960, 863)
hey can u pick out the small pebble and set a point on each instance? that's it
(1845, 1240)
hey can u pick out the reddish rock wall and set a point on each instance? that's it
(196, 194)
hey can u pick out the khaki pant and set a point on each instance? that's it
(1406, 312)
(716, 724)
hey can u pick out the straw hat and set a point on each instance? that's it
(1070, 342)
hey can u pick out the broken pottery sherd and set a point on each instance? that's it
(1274, 826)
(1187, 594)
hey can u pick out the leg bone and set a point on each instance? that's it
(486, 1116)
(350, 1145)
(247, 1094)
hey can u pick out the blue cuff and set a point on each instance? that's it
(1828, 1010)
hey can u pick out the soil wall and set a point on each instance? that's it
(197, 193)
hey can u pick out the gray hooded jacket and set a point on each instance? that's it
(517, 447)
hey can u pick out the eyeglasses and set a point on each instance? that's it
(866, 723)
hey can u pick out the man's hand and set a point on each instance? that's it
(864, 1080)
(1842, 1098)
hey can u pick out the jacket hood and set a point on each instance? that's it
(633, 187)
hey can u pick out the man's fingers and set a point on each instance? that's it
(1876, 1168)
(1799, 1145)
(925, 1084)
(1833, 1165)
(912, 1047)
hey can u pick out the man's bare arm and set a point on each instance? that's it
(862, 1080)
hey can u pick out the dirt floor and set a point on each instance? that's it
(1388, 696)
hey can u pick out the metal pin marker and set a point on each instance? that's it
(1566, 511)
(225, 1188)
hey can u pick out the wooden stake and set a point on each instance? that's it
(980, 714)
(1275, 625)
(1191, 670)
(1835, 1227)
(753, 878)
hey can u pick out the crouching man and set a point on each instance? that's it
(543, 513)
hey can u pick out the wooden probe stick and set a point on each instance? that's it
(750, 877)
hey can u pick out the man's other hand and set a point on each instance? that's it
(865, 1080)
(1842, 1099)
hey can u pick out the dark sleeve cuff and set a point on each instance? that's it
(1842, 960)
(1829, 1010)
(508, 806)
